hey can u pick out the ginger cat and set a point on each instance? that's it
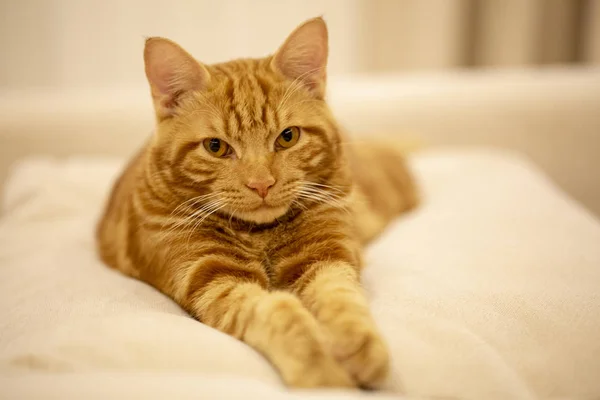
(248, 209)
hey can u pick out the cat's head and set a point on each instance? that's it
(250, 138)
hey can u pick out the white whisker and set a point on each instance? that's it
(196, 200)
(231, 216)
(324, 200)
(324, 194)
(214, 208)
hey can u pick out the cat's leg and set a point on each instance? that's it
(235, 300)
(332, 292)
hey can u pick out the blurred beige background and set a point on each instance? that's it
(517, 74)
(83, 43)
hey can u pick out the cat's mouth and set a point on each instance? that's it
(262, 213)
(264, 206)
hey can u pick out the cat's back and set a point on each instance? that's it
(384, 186)
(112, 232)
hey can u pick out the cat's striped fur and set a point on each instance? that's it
(281, 274)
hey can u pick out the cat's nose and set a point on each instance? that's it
(261, 186)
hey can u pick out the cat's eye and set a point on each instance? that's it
(216, 147)
(288, 137)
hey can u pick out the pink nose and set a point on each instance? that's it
(261, 186)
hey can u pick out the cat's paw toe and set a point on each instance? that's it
(326, 373)
(364, 355)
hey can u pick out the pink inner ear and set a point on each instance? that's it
(304, 62)
(161, 75)
(171, 70)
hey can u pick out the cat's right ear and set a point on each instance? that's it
(172, 73)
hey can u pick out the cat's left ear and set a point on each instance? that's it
(303, 56)
(172, 73)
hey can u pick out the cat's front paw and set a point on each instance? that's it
(363, 353)
(325, 372)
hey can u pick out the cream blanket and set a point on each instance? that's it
(491, 290)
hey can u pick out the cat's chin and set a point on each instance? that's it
(261, 215)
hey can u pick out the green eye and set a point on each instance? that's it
(216, 147)
(288, 137)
